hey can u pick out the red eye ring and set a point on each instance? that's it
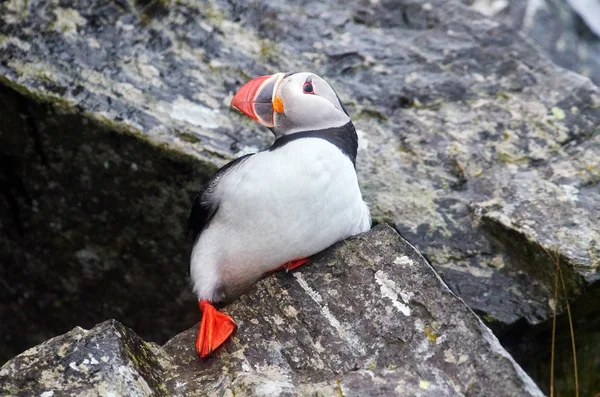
(308, 88)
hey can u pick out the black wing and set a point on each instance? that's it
(205, 207)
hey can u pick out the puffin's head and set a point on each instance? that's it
(291, 102)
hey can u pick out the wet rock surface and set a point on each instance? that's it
(478, 150)
(367, 317)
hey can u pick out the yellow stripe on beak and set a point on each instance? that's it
(278, 104)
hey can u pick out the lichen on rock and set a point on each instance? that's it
(479, 151)
(357, 320)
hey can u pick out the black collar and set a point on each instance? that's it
(343, 137)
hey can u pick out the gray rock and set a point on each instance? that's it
(568, 31)
(94, 220)
(366, 317)
(108, 360)
(589, 11)
(479, 150)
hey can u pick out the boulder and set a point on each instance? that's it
(108, 360)
(368, 316)
(480, 151)
(568, 31)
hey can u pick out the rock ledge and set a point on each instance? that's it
(368, 316)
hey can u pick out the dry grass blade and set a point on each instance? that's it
(564, 288)
(553, 330)
(558, 274)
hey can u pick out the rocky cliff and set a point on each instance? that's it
(368, 317)
(476, 148)
(568, 31)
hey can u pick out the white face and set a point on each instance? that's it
(307, 103)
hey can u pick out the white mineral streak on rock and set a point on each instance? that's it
(192, 113)
(528, 383)
(67, 21)
(570, 193)
(403, 261)
(276, 374)
(341, 330)
(4, 42)
(246, 150)
(129, 377)
(273, 388)
(209, 100)
(389, 289)
(490, 7)
(449, 356)
(290, 311)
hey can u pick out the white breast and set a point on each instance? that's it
(275, 207)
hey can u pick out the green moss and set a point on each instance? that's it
(594, 253)
(186, 136)
(213, 14)
(11, 390)
(508, 158)
(378, 218)
(269, 50)
(558, 113)
(372, 114)
(338, 388)
(56, 102)
(435, 105)
(503, 95)
(488, 318)
(431, 336)
(350, 103)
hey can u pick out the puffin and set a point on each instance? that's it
(271, 210)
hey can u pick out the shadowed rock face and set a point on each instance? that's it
(366, 317)
(92, 227)
(476, 148)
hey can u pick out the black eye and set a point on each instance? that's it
(308, 88)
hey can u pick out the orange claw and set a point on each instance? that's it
(215, 328)
(291, 265)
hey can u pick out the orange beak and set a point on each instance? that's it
(256, 98)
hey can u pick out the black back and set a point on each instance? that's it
(204, 209)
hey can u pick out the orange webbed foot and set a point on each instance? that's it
(215, 328)
(289, 265)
